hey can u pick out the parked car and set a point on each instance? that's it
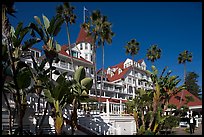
(183, 122)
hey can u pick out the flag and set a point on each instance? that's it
(85, 9)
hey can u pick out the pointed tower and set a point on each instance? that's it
(83, 43)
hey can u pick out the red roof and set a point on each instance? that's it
(64, 48)
(82, 37)
(117, 76)
(176, 99)
(140, 61)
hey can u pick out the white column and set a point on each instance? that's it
(134, 91)
(121, 109)
(107, 107)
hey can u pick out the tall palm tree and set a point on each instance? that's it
(132, 48)
(106, 35)
(184, 57)
(65, 12)
(93, 28)
(153, 53)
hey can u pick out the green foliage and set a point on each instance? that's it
(141, 130)
(79, 74)
(149, 132)
(170, 122)
(24, 78)
(132, 47)
(191, 83)
(184, 57)
(153, 53)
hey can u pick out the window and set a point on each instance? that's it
(134, 81)
(86, 46)
(129, 79)
(98, 78)
(91, 47)
(86, 56)
(74, 54)
(37, 54)
(91, 70)
(91, 58)
(87, 69)
(119, 71)
(81, 46)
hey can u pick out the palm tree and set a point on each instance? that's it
(65, 12)
(106, 36)
(153, 53)
(132, 48)
(184, 57)
(93, 28)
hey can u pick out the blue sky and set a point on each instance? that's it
(174, 26)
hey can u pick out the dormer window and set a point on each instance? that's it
(74, 54)
(86, 46)
(81, 46)
(112, 74)
(119, 71)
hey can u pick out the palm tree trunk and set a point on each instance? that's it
(102, 74)
(135, 113)
(183, 82)
(155, 108)
(94, 66)
(143, 120)
(69, 46)
(133, 68)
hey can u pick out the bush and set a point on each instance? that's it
(170, 122)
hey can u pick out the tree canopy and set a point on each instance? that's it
(191, 83)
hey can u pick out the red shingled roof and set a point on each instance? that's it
(63, 52)
(82, 37)
(176, 99)
(140, 61)
(117, 76)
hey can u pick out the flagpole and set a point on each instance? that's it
(84, 14)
